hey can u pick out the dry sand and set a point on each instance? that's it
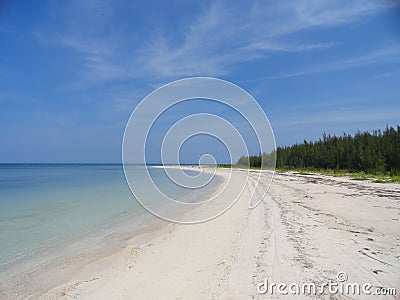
(308, 229)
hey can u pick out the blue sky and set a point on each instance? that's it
(71, 72)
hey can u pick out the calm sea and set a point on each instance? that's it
(50, 211)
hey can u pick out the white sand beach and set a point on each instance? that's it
(309, 228)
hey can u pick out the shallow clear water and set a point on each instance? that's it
(42, 205)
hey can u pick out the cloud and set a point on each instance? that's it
(276, 47)
(330, 13)
(381, 56)
(225, 35)
(212, 43)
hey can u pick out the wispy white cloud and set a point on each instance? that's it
(381, 56)
(276, 47)
(330, 13)
(227, 34)
(89, 46)
(221, 36)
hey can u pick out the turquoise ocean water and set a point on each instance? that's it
(50, 213)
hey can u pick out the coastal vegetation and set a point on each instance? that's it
(364, 155)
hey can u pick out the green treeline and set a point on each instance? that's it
(376, 152)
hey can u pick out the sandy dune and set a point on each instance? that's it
(308, 229)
